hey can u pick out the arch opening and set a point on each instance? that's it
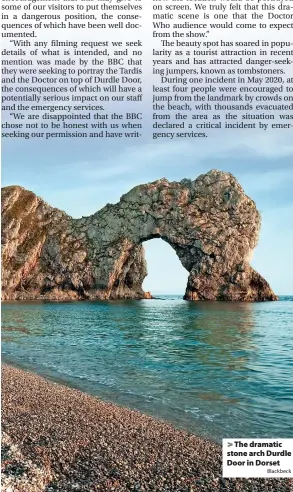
(166, 274)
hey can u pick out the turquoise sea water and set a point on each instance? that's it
(218, 369)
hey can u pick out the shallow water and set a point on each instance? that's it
(218, 369)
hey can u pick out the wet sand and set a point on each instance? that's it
(60, 439)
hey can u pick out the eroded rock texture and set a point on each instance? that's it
(210, 223)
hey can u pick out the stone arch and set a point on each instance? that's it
(210, 223)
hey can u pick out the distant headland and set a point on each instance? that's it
(209, 222)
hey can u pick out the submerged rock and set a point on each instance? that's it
(210, 223)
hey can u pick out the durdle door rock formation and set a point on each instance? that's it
(210, 223)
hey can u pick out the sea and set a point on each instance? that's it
(216, 369)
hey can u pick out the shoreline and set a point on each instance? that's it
(67, 440)
(114, 398)
(119, 300)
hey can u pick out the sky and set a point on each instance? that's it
(81, 176)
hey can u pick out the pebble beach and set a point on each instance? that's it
(56, 438)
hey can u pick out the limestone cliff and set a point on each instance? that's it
(210, 223)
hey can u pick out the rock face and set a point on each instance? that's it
(210, 223)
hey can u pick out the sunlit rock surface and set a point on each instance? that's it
(210, 223)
